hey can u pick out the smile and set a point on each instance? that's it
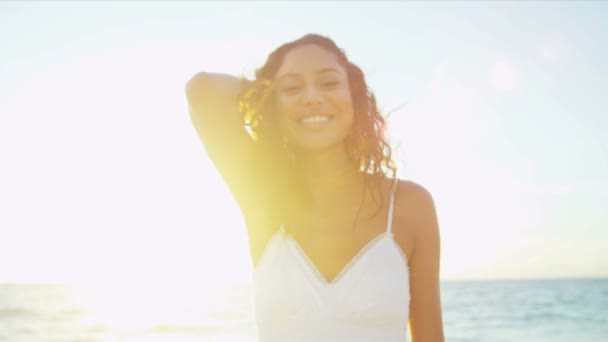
(315, 119)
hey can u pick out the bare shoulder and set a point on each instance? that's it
(407, 189)
(413, 199)
(415, 217)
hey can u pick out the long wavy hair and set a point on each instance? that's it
(365, 143)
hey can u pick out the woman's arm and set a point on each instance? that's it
(213, 105)
(426, 324)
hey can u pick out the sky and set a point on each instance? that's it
(497, 108)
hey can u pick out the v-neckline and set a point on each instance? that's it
(344, 270)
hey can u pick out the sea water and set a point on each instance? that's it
(522, 310)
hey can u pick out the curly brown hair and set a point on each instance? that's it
(365, 143)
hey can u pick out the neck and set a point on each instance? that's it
(332, 178)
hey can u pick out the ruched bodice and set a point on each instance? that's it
(367, 301)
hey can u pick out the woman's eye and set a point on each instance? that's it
(329, 84)
(290, 90)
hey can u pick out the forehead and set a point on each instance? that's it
(308, 59)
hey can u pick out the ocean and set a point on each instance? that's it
(507, 310)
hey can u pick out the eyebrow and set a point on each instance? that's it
(320, 71)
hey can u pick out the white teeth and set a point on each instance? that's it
(314, 119)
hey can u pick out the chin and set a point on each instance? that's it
(316, 140)
(318, 145)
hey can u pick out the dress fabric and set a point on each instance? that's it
(367, 301)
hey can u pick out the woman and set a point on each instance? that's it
(341, 251)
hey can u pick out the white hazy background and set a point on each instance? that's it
(501, 114)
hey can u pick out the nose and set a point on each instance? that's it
(312, 96)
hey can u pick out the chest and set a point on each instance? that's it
(331, 240)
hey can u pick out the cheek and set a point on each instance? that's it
(282, 109)
(344, 97)
(279, 107)
(283, 102)
(281, 112)
(346, 105)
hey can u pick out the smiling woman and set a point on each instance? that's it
(341, 250)
(328, 118)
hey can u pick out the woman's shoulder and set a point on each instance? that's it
(415, 214)
(413, 193)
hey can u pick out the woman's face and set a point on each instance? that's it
(313, 99)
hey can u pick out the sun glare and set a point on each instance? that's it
(136, 306)
(107, 134)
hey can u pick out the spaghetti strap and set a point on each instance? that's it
(391, 205)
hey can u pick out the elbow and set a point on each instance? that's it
(195, 84)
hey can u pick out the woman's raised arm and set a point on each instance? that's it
(213, 106)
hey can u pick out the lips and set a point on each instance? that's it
(314, 119)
